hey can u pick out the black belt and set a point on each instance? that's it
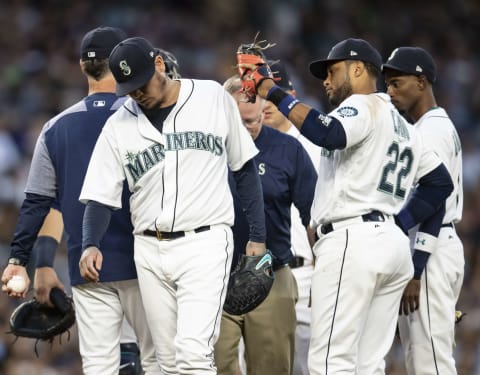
(173, 235)
(296, 262)
(448, 225)
(371, 216)
(278, 266)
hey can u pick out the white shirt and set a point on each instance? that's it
(440, 135)
(383, 158)
(178, 178)
(299, 239)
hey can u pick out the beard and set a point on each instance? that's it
(342, 93)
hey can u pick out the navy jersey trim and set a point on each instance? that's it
(336, 302)
(176, 156)
(129, 110)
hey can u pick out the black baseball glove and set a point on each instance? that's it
(38, 321)
(249, 283)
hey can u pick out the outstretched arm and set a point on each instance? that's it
(318, 127)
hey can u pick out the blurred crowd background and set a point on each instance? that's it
(40, 76)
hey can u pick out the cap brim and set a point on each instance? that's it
(318, 68)
(393, 67)
(125, 88)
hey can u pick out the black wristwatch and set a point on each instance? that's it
(17, 262)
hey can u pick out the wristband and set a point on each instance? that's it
(45, 248)
(425, 242)
(284, 102)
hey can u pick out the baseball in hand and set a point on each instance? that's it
(17, 284)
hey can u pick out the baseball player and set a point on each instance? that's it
(59, 164)
(173, 141)
(426, 324)
(370, 160)
(302, 262)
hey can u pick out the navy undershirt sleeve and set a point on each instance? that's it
(34, 209)
(95, 223)
(324, 131)
(432, 191)
(249, 190)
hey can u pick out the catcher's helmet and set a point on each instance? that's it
(249, 283)
(171, 63)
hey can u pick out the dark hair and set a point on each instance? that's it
(372, 70)
(96, 68)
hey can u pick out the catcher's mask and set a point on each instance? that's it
(249, 283)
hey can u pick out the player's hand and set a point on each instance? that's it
(90, 263)
(8, 273)
(255, 248)
(247, 63)
(45, 279)
(256, 79)
(411, 297)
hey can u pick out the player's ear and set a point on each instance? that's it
(422, 82)
(159, 63)
(358, 68)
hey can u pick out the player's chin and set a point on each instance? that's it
(146, 103)
(397, 105)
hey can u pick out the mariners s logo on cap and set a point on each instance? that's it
(132, 63)
(126, 70)
(392, 55)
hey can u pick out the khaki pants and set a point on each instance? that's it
(268, 332)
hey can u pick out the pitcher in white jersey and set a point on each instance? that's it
(173, 141)
(426, 325)
(371, 158)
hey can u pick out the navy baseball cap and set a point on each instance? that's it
(412, 61)
(348, 49)
(99, 42)
(132, 63)
(281, 76)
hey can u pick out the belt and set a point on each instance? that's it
(371, 216)
(173, 235)
(278, 266)
(296, 262)
(448, 225)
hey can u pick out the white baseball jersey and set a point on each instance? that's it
(439, 134)
(428, 334)
(299, 239)
(178, 178)
(377, 169)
